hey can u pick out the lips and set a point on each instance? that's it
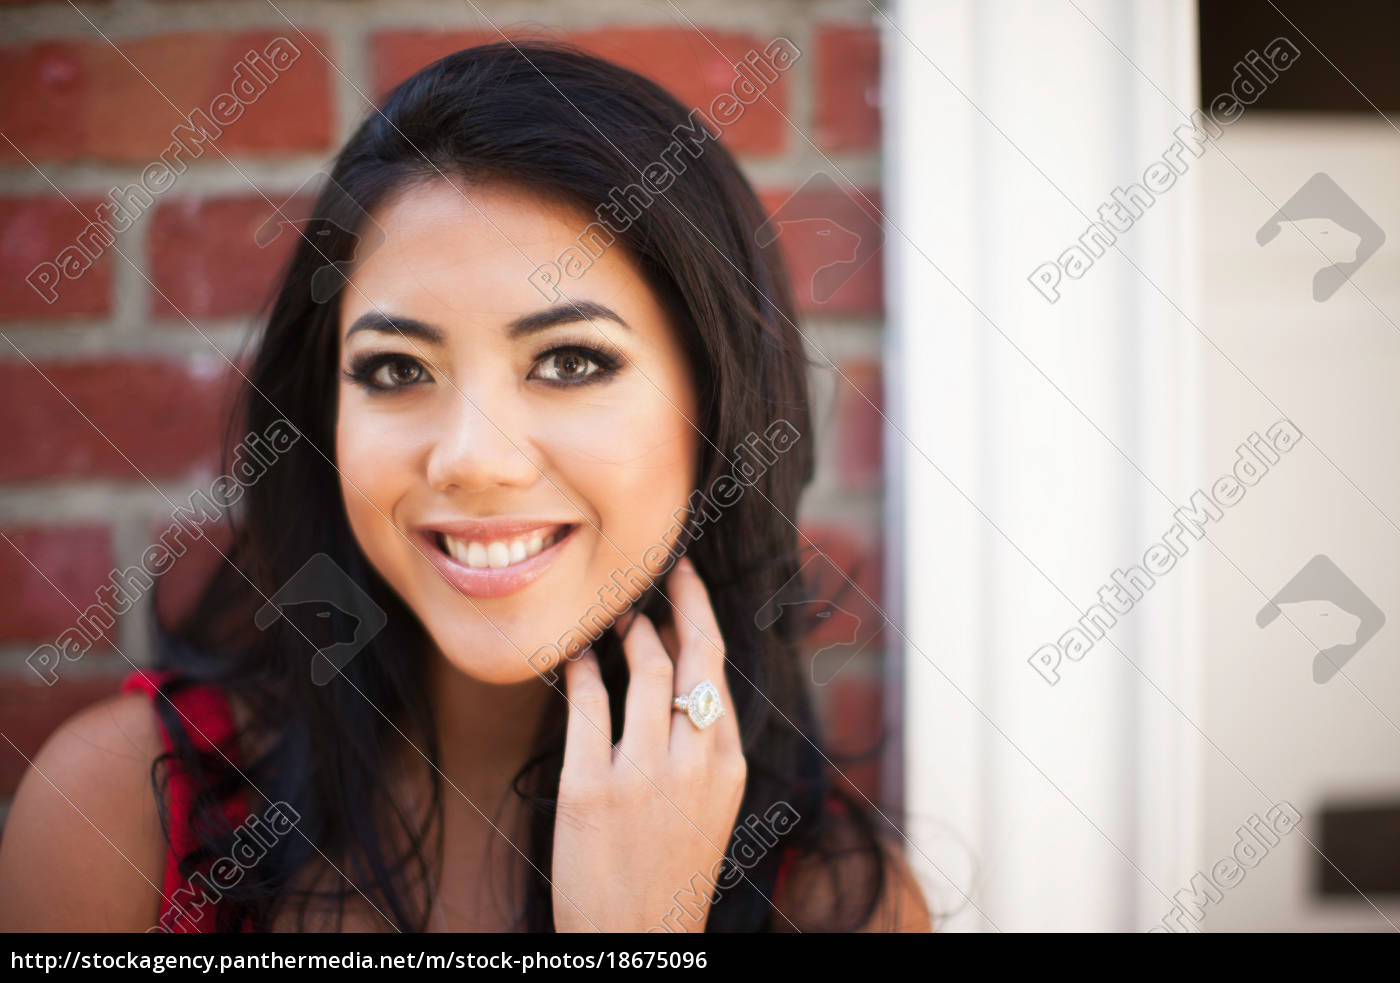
(494, 558)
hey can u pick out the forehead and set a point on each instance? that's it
(460, 254)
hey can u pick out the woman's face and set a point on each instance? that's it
(506, 464)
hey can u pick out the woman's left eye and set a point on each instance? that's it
(566, 365)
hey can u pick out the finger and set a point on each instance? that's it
(646, 732)
(701, 657)
(588, 737)
(696, 628)
(623, 621)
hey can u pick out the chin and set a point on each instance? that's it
(505, 648)
(511, 671)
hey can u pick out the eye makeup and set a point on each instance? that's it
(366, 371)
(566, 363)
(564, 352)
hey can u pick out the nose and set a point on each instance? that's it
(480, 446)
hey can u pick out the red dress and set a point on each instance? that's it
(208, 719)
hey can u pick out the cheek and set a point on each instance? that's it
(632, 459)
(373, 467)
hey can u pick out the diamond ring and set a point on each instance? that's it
(702, 704)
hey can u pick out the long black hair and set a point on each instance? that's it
(562, 123)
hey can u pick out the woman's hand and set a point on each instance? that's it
(638, 822)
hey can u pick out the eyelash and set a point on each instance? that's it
(363, 369)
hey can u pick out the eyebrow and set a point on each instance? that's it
(406, 326)
(526, 324)
(566, 313)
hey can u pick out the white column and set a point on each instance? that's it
(1007, 124)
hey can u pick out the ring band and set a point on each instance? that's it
(701, 704)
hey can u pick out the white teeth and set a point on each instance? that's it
(476, 555)
(456, 548)
(497, 554)
(501, 553)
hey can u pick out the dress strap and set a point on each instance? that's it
(790, 854)
(206, 715)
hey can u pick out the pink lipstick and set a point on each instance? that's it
(494, 557)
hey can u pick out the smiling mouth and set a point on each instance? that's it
(500, 554)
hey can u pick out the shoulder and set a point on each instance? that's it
(832, 890)
(902, 907)
(83, 847)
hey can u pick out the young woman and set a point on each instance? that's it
(536, 481)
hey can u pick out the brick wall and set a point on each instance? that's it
(113, 371)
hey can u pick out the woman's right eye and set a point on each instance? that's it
(381, 373)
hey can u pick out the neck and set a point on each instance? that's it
(486, 731)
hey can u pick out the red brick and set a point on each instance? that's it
(395, 55)
(166, 416)
(32, 711)
(34, 231)
(72, 561)
(859, 426)
(856, 733)
(848, 87)
(204, 260)
(182, 584)
(842, 564)
(47, 88)
(687, 64)
(831, 239)
(69, 100)
(683, 61)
